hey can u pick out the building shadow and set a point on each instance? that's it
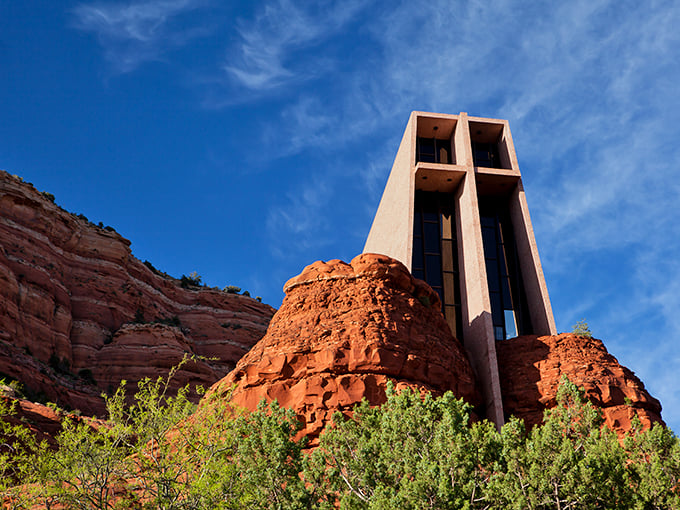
(519, 360)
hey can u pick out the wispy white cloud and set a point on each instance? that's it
(299, 220)
(138, 31)
(588, 89)
(268, 52)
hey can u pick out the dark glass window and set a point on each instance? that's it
(417, 224)
(433, 215)
(509, 310)
(431, 237)
(433, 268)
(432, 150)
(486, 155)
(426, 150)
(417, 257)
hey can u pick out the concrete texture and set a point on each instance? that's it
(392, 230)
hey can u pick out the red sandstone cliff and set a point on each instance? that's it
(531, 367)
(69, 292)
(342, 332)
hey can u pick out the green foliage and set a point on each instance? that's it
(49, 196)
(156, 271)
(11, 387)
(86, 374)
(425, 301)
(85, 468)
(170, 321)
(193, 280)
(17, 444)
(654, 467)
(60, 365)
(581, 328)
(414, 452)
(232, 289)
(268, 460)
(569, 462)
(139, 317)
(232, 325)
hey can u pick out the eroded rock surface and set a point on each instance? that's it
(69, 293)
(531, 368)
(44, 423)
(342, 332)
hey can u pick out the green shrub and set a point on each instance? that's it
(86, 374)
(415, 451)
(139, 317)
(581, 329)
(60, 365)
(193, 280)
(170, 321)
(48, 196)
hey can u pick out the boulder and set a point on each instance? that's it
(342, 332)
(531, 367)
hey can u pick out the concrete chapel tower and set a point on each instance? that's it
(454, 212)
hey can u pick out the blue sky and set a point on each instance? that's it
(245, 140)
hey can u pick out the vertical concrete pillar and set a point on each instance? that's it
(540, 310)
(478, 335)
(392, 229)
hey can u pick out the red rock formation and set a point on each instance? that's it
(342, 332)
(531, 367)
(43, 422)
(68, 291)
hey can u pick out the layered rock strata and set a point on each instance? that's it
(531, 367)
(71, 292)
(342, 332)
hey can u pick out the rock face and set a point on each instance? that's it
(78, 313)
(342, 332)
(44, 423)
(531, 368)
(70, 292)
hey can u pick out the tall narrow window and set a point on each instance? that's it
(433, 150)
(508, 301)
(435, 252)
(486, 155)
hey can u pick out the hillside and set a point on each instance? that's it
(79, 313)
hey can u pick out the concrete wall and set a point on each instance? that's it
(392, 232)
(478, 336)
(392, 229)
(540, 309)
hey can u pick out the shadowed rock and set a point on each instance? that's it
(531, 368)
